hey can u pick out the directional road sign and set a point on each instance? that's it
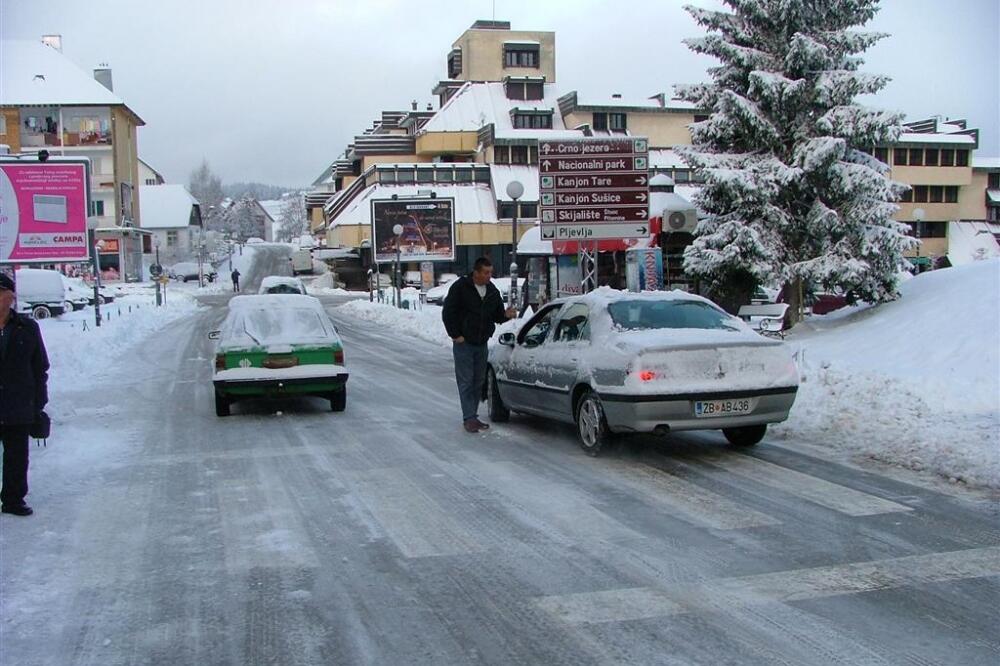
(593, 189)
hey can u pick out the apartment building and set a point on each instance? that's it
(50, 104)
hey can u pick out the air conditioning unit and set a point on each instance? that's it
(680, 221)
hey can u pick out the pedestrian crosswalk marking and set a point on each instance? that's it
(776, 587)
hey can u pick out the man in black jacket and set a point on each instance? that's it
(472, 309)
(24, 372)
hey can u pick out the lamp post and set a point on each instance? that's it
(918, 216)
(159, 271)
(397, 230)
(515, 190)
(97, 282)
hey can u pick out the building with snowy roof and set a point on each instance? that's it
(173, 216)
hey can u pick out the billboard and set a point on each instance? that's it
(43, 211)
(428, 229)
(644, 269)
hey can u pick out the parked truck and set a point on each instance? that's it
(302, 262)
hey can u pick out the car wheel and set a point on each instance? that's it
(40, 312)
(745, 436)
(222, 405)
(338, 400)
(498, 411)
(591, 424)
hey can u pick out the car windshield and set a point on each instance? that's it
(650, 314)
(281, 326)
(283, 289)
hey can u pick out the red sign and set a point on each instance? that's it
(603, 165)
(590, 181)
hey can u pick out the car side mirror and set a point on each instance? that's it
(506, 339)
(214, 335)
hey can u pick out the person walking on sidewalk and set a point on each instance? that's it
(236, 279)
(472, 309)
(24, 373)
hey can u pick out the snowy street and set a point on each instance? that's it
(287, 534)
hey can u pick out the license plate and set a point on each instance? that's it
(734, 407)
(278, 362)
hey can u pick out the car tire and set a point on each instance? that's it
(746, 435)
(338, 400)
(222, 405)
(591, 424)
(41, 312)
(499, 413)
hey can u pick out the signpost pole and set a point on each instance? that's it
(97, 283)
(397, 231)
(514, 190)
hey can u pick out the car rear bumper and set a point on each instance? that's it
(277, 387)
(646, 413)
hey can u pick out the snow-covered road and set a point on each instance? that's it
(387, 535)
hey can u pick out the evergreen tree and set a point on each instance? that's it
(790, 193)
(241, 221)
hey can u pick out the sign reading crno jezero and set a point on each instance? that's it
(43, 211)
(428, 229)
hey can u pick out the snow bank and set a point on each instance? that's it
(915, 382)
(424, 323)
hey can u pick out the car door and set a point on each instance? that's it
(566, 347)
(526, 372)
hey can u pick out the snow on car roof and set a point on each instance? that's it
(268, 301)
(273, 280)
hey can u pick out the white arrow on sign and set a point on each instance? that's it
(641, 196)
(546, 164)
(546, 149)
(641, 180)
(640, 213)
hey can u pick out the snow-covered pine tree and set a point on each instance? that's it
(790, 192)
(293, 218)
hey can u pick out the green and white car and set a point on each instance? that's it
(278, 345)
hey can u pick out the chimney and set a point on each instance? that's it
(103, 76)
(616, 95)
(55, 41)
(413, 105)
(430, 107)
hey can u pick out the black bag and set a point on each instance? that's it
(42, 426)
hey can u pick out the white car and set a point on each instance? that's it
(277, 284)
(41, 293)
(437, 294)
(620, 362)
(78, 296)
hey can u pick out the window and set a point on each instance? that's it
(650, 314)
(520, 55)
(600, 121)
(907, 196)
(507, 210)
(618, 122)
(536, 330)
(171, 238)
(454, 63)
(882, 155)
(931, 157)
(529, 210)
(700, 118)
(962, 158)
(482, 175)
(99, 207)
(532, 121)
(947, 157)
(993, 181)
(916, 157)
(936, 194)
(151, 181)
(405, 176)
(463, 175)
(899, 157)
(518, 154)
(425, 175)
(386, 176)
(682, 175)
(444, 175)
(3, 124)
(920, 193)
(951, 194)
(573, 325)
(534, 90)
(929, 229)
(533, 154)
(501, 154)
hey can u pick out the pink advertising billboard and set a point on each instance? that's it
(43, 211)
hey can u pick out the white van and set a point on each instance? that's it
(302, 262)
(40, 293)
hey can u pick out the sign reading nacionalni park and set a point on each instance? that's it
(428, 229)
(43, 210)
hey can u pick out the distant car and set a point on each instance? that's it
(620, 362)
(254, 241)
(276, 284)
(278, 345)
(77, 295)
(105, 293)
(445, 278)
(41, 293)
(302, 262)
(437, 294)
(188, 270)
(412, 279)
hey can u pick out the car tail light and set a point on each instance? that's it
(338, 357)
(647, 375)
(220, 362)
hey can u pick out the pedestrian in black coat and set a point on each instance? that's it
(24, 373)
(236, 279)
(472, 309)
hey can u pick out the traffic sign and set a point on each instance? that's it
(595, 188)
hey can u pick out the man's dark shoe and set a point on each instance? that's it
(23, 510)
(481, 425)
(471, 425)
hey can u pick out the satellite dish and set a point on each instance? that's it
(677, 220)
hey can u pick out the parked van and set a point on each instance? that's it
(302, 262)
(40, 293)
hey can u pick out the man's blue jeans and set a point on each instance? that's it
(470, 373)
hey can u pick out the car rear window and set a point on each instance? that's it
(282, 326)
(283, 289)
(648, 314)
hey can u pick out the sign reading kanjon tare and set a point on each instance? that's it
(592, 189)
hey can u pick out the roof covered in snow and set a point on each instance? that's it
(165, 206)
(986, 162)
(502, 174)
(474, 203)
(638, 103)
(921, 137)
(972, 241)
(476, 105)
(531, 243)
(34, 73)
(665, 158)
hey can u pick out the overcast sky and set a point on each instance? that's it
(274, 90)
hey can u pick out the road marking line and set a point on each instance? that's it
(777, 587)
(831, 495)
(688, 501)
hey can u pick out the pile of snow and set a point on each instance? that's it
(915, 382)
(326, 284)
(423, 323)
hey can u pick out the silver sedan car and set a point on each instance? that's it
(619, 362)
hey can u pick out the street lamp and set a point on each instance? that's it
(398, 231)
(918, 216)
(159, 271)
(98, 245)
(515, 190)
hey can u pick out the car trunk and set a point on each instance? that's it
(280, 357)
(731, 367)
